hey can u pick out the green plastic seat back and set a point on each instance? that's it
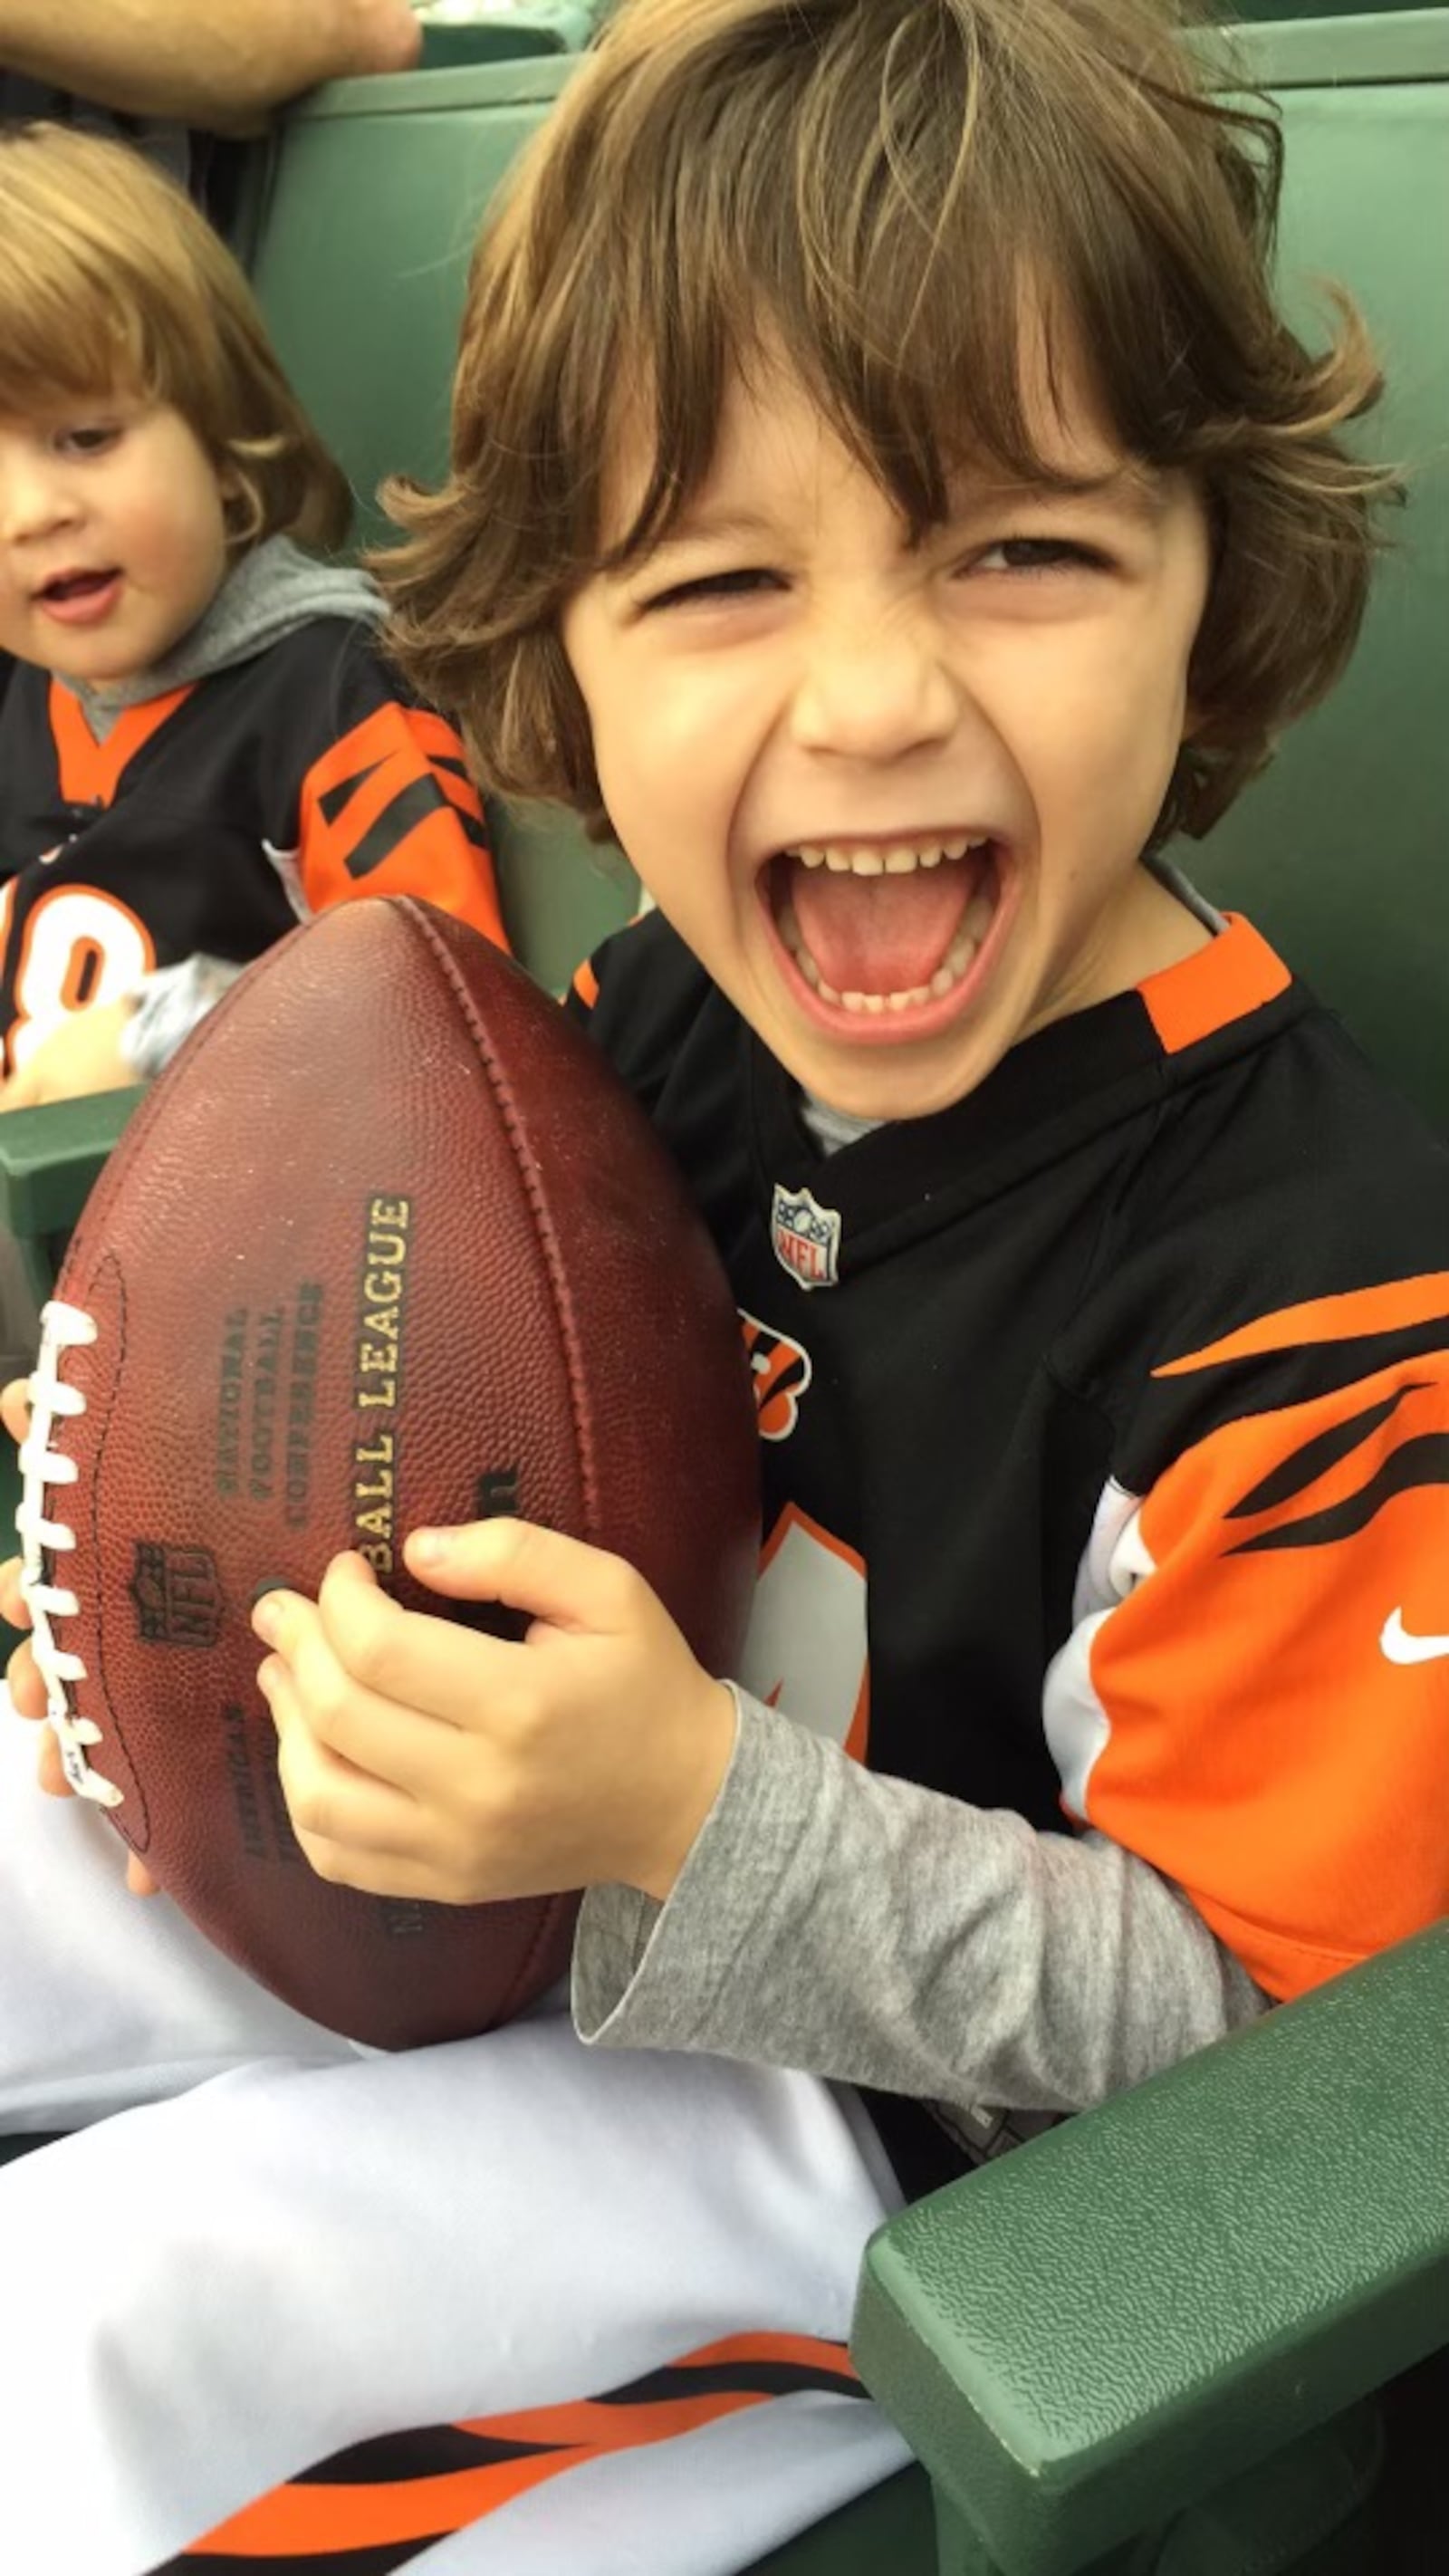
(1341, 851)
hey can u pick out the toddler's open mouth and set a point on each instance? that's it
(885, 930)
(80, 598)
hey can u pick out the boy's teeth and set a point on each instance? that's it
(790, 933)
(895, 858)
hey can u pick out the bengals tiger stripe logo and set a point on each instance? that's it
(780, 1372)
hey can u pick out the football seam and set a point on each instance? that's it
(514, 1130)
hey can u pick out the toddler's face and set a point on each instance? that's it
(895, 801)
(112, 536)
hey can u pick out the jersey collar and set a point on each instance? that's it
(1072, 1080)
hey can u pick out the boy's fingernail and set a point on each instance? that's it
(266, 1619)
(428, 1547)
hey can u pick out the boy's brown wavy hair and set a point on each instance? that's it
(875, 184)
(111, 283)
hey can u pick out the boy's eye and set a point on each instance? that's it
(1036, 554)
(717, 585)
(87, 438)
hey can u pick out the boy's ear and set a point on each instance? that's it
(241, 503)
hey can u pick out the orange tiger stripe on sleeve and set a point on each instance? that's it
(1267, 1740)
(1358, 1313)
(390, 809)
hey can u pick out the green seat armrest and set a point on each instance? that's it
(1113, 2321)
(50, 1158)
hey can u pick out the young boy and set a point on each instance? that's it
(882, 488)
(201, 743)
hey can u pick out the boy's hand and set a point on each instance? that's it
(27, 1690)
(82, 1054)
(422, 1760)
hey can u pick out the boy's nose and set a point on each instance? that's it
(33, 502)
(872, 689)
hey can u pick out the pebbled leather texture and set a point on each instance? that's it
(388, 1245)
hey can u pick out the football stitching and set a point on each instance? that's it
(117, 1364)
(44, 1456)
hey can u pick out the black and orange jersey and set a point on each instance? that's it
(210, 820)
(1105, 1431)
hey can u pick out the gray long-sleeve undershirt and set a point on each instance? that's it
(858, 1927)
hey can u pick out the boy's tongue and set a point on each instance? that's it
(885, 934)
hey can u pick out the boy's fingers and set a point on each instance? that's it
(14, 1609)
(50, 1776)
(352, 1645)
(15, 1407)
(49, 1769)
(528, 1568)
(27, 1690)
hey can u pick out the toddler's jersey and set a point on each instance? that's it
(212, 819)
(1105, 1431)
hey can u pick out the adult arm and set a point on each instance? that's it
(218, 64)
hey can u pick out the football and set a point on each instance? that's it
(388, 1245)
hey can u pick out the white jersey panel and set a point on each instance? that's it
(1114, 1561)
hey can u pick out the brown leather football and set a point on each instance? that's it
(388, 1245)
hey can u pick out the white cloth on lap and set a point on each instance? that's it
(312, 2248)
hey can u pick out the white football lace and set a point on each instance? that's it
(63, 1328)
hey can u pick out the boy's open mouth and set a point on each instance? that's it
(80, 598)
(885, 926)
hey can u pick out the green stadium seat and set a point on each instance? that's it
(1150, 2343)
(1337, 852)
(503, 30)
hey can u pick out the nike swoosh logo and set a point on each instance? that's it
(1401, 1646)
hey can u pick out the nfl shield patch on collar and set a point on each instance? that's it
(806, 1237)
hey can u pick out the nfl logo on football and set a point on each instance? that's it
(806, 1237)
